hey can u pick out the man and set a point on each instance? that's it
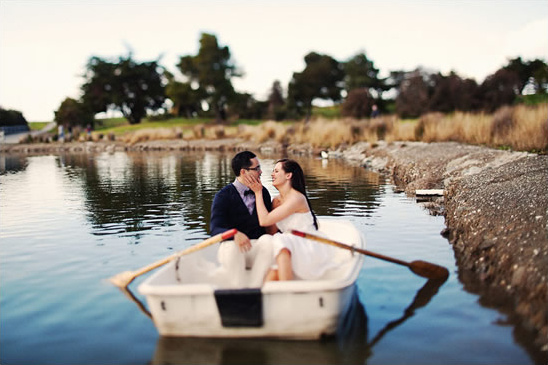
(234, 207)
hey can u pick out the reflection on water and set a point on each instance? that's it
(70, 221)
(422, 298)
(128, 193)
(131, 193)
(350, 347)
(12, 163)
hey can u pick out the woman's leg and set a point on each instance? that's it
(272, 275)
(285, 270)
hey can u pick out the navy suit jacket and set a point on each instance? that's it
(229, 211)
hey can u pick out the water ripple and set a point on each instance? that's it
(69, 222)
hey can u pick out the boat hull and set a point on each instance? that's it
(297, 309)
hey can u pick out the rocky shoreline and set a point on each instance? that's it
(495, 205)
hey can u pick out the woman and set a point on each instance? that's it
(295, 256)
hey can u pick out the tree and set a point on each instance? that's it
(498, 89)
(357, 104)
(535, 72)
(276, 102)
(186, 100)
(10, 118)
(244, 106)
(73, 113)
(412, 100)
(360, 72)
(126, 85)
(539, 75)
(450, 93)
(395, 79)
(212, 70)
(322, 78)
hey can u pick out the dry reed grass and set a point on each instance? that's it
(263, 132)
(402, 131)
(530, 131)
(521, 127)
(325, 133)
(150, 134)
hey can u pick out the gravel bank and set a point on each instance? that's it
(495, 205)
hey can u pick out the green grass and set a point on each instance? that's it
(102, 124)
(328, 112)
(247, 122)
(533, 99)
(120, 126)
(37, 126)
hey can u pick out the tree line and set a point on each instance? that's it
(11, 118)
(204, 88)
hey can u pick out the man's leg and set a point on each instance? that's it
(232, 270)
(260, 259)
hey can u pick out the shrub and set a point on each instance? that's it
(357, 104)
(503, 122)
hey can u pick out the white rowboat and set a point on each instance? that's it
(187, 299)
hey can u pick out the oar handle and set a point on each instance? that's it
(348, 247)
(421, 268)
(208, 242)
(123, 279)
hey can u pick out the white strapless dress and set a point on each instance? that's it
(310, 259)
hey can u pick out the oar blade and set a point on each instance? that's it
(123, 279)
(429, 270)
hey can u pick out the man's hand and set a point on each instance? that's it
(242, 241)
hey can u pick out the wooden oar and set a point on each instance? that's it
(123, 279)
(419, 267)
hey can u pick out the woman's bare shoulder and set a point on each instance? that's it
(300, 201)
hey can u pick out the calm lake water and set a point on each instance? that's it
(69, 222)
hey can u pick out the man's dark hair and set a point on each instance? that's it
(242, 160)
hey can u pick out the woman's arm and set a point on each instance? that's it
(273, 229)
(292, 204)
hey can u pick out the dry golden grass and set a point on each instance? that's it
(402, 131)
(324, 133)
(149, 134)
(472, 128)
(530, 131)
(263, 132)
(523, 128)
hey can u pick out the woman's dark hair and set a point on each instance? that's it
(297, 181)
(242, 160)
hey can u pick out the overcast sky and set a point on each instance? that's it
(45, 44)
